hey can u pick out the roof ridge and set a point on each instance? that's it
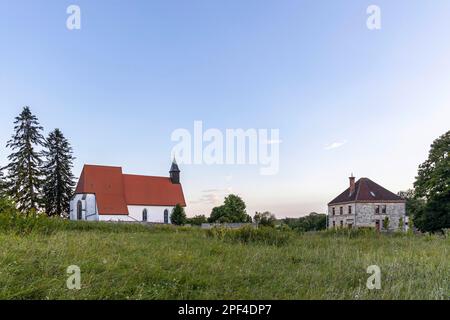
(144, 176)
(100, 165)
(359, 188)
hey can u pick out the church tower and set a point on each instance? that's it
(174, 172)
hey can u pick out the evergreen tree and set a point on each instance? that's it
(178, 216)
(59, 180)
(24, 181)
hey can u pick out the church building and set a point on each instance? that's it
(105, 193)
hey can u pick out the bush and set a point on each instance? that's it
(264, 219)
(350, 233)
(312, 222)
(248, 234)
(197, 220)
(21, 224)
(178, 216)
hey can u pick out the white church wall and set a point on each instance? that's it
(89, 207)
(90, 211)
(154, 213)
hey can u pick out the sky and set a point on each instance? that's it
(344, 98)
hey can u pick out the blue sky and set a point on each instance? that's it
(138, 70)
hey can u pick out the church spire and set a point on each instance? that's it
(174, 172)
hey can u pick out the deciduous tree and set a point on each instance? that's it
(433, 186)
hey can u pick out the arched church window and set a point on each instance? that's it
(144, 215)
(79, 210)
(166, 216)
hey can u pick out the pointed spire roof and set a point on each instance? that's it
(174, 167)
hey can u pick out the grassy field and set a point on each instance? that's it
(137, 262)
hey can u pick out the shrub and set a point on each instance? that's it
(264, 219)
(178, 216)
(197, 220)
(248, 234)
(350, 233)
(21, 224)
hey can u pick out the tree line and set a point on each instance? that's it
(38, 177)
(233, 210)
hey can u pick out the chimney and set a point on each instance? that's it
(352, 184)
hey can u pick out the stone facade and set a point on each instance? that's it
(368, 214)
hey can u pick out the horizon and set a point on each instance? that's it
(344, 98)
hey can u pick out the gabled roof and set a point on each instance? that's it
(115, 191)
(366, 191)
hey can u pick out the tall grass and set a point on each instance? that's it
(139, 262)
(21, 224)
(248, 234)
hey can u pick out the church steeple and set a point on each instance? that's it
(174, 172)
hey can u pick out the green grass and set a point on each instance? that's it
(137, 262)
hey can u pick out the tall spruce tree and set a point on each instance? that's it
(23, 179)
(57, 169)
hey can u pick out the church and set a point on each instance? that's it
(105, 193)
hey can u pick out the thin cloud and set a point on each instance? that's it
(213, 196)
(335, 145)
(274, 141)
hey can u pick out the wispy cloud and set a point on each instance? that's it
(335, 145)
(213, 196)
(274, 141)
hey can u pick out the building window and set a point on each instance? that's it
(79, 210)
(383, 209)
(166, 216)
(342, 224)
(334, 211)
(341, 210)
(334, 224)
(144, 215)
(349, 209)
(377, 210)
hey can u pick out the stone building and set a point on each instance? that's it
(367, 204)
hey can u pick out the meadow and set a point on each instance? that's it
(141, 262)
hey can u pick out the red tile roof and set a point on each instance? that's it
(115, 191)
(366, 191)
